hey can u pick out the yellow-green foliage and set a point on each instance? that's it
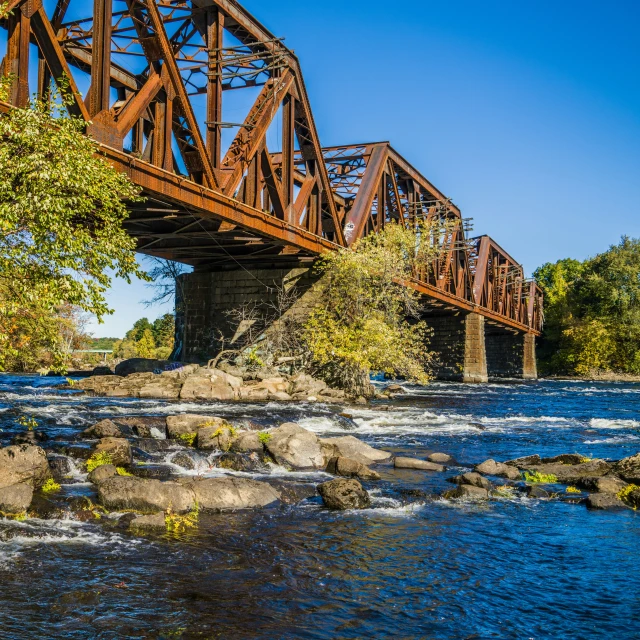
(188, 438)
(264, 437)
(95, 509)
(573, 490)
(50, 486)
(98, 459)
(585, 459)
(252, 359)
(29, 423)
(177, 523)
(360, 322)
(624, 493)
(505, 491)
(18, 517)
(123, 472)
(540, 478)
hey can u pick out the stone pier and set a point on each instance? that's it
(510, 355)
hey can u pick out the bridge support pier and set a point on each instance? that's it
(204, 300)
(458, 342)
(511, 355)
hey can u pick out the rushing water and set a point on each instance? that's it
(412, 566)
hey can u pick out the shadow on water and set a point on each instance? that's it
(412, 566)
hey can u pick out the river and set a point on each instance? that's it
(412, 566)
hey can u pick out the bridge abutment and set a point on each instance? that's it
(511, 355)
(204, 301)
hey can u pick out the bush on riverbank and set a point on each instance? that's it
(592, 313)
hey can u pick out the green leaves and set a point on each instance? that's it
(62, 210)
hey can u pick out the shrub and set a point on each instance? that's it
(189, 439)
(50, 486)
(176, 523)
(98, 459)
(123, 472)
(540, 478)
(264, 437)
(573, 490)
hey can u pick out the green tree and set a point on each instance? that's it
(146, 346)
(61, 212)
(139, 327)
(163, 330)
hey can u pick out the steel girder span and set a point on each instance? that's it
(158, 77)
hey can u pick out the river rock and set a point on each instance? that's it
(160, 387)
(123, 492)
(606, 484)
(101, 371)
(440, 458)
(571, 473)
(211, 384)
(215, 438)
(103, 429)
(102, 473)
(240, 462)
(101, 385)
(118, 448)
(247, 442)
(473, 479)
(534, 491)
(348, 468)
(16, 498)
(632, 498)
(602, 501)
(307, 385)
(293, 492)
(60, 467)
(154, 521)
(140, 365)
(351, 447)
(525, 461)
(293, 446)
(499, 469)
(145, 426)
(565, 458)
(414, 463)
(629, 469)
(190, 423)
(344, 494)
(23, 464)
(233, 493)
(185, 460)
(468, 492)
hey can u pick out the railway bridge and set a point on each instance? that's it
(250, 202)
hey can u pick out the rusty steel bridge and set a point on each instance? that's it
(156, 75)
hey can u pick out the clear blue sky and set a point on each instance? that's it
(526, 113)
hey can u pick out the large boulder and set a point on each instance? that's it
(414, 463)
(351, 447)
(348, 468)
(499, 469)
(473, 479)
(344, 494)
(572, 473)
(103, 429)
(140, 365)
(525, 461)
(305, 384)
(629, 469)
(247, 442)
(102, 473)
(118, 449)
(605, 484)
(233, 493)
(122, 492)
(160, 387)
(23, 464)
(190, 423)
(604, 501)
(152, 522)
(215, 438)
(16, 498)
(293, 446)
(211, 384)
(101, 385)
(440, 458)
(467, 492)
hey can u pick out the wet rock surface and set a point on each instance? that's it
(344, 494)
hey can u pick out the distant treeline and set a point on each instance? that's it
(592, 313)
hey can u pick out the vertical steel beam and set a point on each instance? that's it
(288, 144)
(99, 94)
(17, 60)
(215, 31)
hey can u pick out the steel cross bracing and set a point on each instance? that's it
(225, 191)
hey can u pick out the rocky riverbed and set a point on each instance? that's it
(363, 491)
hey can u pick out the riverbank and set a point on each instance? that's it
(411, 546)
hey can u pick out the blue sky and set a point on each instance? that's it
(527, 114)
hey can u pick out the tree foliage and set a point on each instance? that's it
(592, 312)
(366, 319)
(148, 340)
(61, 234)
